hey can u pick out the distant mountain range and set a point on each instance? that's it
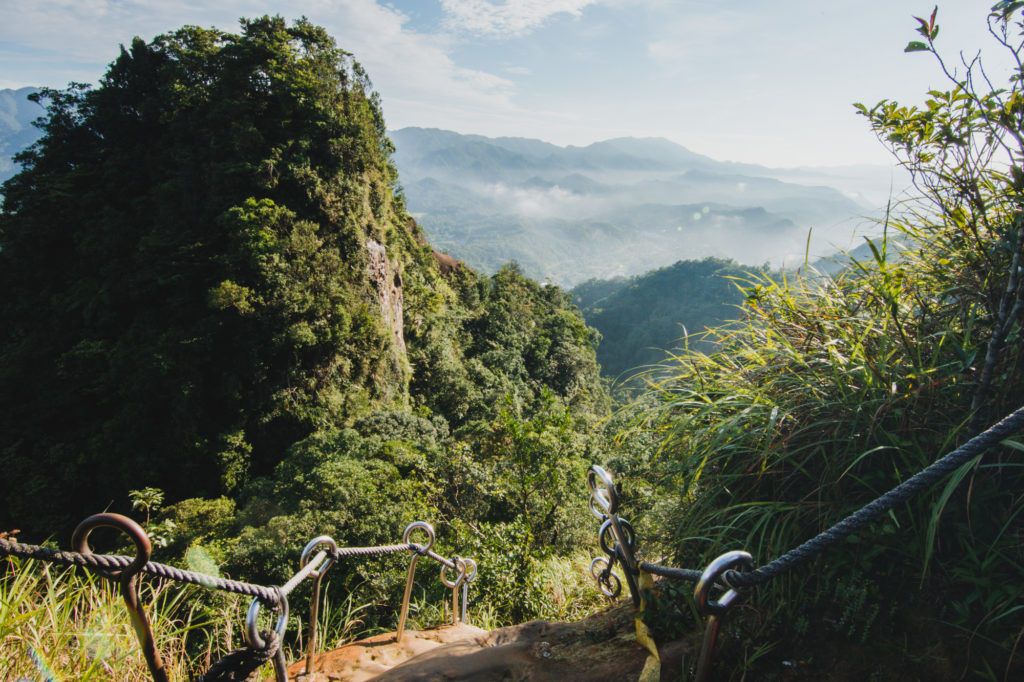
(615, 208)
(16, 129)
(624, 206)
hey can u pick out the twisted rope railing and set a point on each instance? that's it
(859, 519)
(261, 646)
(605, 500)
(618, 540)
(118, 562)
(267, 595)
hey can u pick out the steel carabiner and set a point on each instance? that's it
(253, 639)
(462, 570)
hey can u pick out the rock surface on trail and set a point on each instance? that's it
(600, 647)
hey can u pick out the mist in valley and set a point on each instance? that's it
(623, 207)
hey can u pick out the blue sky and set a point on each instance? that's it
(747, 80)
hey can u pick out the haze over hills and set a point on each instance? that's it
(16, 129)
(622, 207)
(614, 208)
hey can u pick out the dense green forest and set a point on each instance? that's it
(211, 287)
(642, 319)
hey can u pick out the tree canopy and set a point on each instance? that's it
(641, 319)
(205, 261)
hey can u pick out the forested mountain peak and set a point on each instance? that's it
(614, 154)
(16, 111)
(204, 264)
(644, 319)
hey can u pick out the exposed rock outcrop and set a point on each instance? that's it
(446, 263)
(600, 647)
(388, 283)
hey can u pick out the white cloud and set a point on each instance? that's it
(666, 50)
(511, 17)
(50, 42)
(406, 64)
(550, 202)
(690, 70)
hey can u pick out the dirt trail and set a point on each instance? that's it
(600, 647)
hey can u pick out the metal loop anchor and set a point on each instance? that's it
(462, 571)
(314, 601)
(605, 577)
(616, 536)
(470, 577)
(429, 530)
(607, 538)
(127, 579)
(332, 552)
(602, 493)
(716, 609)
(252, 635)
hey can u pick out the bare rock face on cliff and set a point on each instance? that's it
(600, 647)
(388, 283)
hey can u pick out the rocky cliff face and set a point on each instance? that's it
(388, 283)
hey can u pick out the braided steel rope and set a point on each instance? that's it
(381, 549)
(687, 574)
(114, 562)
(239, 665)
(914, 485)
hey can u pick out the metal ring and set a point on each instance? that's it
(594, 564)
(128, 579)
(252, 635)
(605, 577)
(143, 548)
(710, 576)
(328, 561)
(460, 566)
(470, 570)
(424, 526)
(608, 528)
(604, 494)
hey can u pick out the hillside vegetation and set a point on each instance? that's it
(214, 306)
(643, 319)
(212, 287)
(831, 391)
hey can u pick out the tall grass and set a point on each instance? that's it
(827, 393)
(61, 624)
